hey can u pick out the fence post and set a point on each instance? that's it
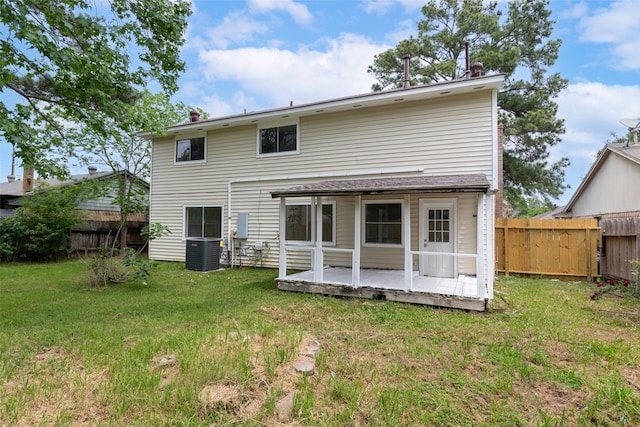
(588, 241)
(506, 247)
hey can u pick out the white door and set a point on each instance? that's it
(438, 234)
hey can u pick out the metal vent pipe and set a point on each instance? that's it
(406, 59)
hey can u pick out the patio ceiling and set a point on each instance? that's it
(477, 183)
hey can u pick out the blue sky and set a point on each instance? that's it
(264, 54)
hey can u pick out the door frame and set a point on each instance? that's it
(437, 202)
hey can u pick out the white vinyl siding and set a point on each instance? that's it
(612, 189)
(447, 136)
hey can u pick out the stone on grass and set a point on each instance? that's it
(305, 367)
(284, 407)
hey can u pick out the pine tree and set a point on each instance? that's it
(518, 44)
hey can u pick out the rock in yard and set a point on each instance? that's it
(305, 367)
(167, 361)
(284, 407)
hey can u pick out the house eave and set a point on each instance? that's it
(368, 100)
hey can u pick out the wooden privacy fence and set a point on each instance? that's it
(564, 248)
(620, 244)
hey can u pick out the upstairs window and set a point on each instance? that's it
(280, 139)
(191, 149)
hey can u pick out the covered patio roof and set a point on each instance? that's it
(422, 184)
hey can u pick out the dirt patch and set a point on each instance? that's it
(220, 397)
(281, 379)
(60, 389)
(632, 376)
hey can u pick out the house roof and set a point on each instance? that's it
(15, 188)
(421, 184)
(372, 99)
(553, 213)
(631, 152)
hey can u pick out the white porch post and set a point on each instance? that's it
(480, 259)
(282, 264)
(357, 236)
(312, 211)
(318, 261)
(408, 261)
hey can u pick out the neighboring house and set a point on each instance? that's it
(101, 214)
(609, 192)
(382, 195)
(552, 214)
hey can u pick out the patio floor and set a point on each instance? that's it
(460, 292)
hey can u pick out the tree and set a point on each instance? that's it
(120, 148)
(518, 45)
(527, 207)
(70, 62)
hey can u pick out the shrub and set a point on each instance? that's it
(11, 234)
(118, 265)
(40, 229)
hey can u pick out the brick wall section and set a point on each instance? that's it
(499, 195)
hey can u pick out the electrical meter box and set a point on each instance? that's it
(243, 225)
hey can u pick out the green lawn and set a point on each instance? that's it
(546, 355)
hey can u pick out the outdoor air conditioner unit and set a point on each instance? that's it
(203, 254)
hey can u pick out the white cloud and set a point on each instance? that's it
(404, 29)
(236, 27)
(382, 7)
(378, 7)
(412, 5)
(617, 27)
(298, 11)
(576, 11)
(302, 76)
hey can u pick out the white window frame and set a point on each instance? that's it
(185, 137)
(278, 124)
(364, 223)
(184, 220)
(334, 221)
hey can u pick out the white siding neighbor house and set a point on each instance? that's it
(382, 195)
(610, 193)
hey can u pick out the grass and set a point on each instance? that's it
(546, 355)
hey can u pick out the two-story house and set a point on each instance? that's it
(381, 195)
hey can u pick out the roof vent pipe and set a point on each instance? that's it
(92, 170)
(406, 59)
(194, 116)
(467, 72)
